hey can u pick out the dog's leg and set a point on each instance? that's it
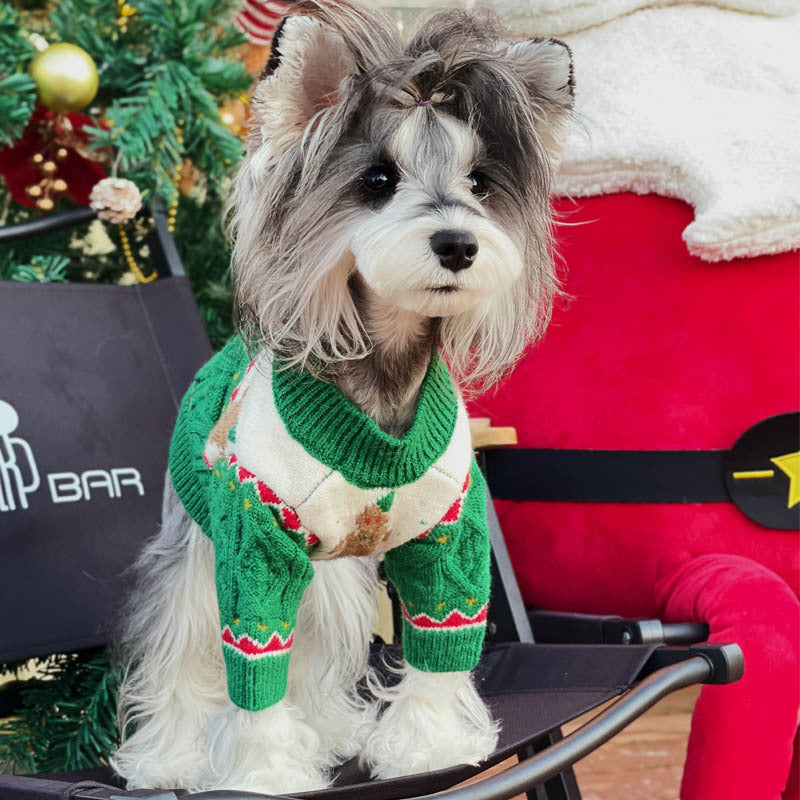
(175, 684)
(434, 720)
(322, 720)
(334, 627)
(273, 751)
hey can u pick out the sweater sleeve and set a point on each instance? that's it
(200, 409)
(442, 578)
(261, 570)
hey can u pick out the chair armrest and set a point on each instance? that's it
(555, 627)
(164, 253)
(46, 224)
(486, 437)
(540, 768)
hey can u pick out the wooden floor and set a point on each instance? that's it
(645, 761)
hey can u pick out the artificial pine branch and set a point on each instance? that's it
(67, 720)
(17, 89)
(169, 71)
(41, 269)
(204, 251)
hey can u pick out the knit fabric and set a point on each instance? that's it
(280, 469)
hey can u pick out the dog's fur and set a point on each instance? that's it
(338, 278)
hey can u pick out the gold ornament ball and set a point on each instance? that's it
(34, 191)
(37, 158)
(49, 167)
(60, 185)
(45, 204)
(61, 153)
(65, 76)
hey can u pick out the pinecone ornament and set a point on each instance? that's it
(115, 200)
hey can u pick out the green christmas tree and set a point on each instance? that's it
(165, 69)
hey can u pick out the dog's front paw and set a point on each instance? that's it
(435, 720)
(343, 725)
(272, 752)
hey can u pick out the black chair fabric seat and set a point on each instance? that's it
(95, 375)
(531, 688)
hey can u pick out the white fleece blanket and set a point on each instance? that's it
(698, 103)
(557, 17)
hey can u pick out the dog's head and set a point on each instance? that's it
(423, 165)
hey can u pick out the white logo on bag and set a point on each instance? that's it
(12, 482)
(19, 475)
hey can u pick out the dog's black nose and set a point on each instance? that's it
(456, 249)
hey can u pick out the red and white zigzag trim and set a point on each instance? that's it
(453, 514)
(455, 620)
(239, 385)
(254, 650)
(289, 518)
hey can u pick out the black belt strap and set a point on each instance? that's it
(608, 476)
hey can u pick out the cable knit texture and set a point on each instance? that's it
(279, 469)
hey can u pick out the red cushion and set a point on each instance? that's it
(653, 349)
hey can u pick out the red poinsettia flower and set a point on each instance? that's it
(45, 133)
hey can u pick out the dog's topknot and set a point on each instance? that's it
(339, 83)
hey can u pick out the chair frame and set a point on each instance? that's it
(165, 256)
(544, 771)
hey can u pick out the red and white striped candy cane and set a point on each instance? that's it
(258, 19)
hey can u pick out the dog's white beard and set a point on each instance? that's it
(394, 256)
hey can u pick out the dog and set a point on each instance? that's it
(393, 205)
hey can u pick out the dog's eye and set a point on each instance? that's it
(380, 181)
(479, 183)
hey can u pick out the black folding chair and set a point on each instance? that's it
(95, 374)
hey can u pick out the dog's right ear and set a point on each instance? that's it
(545, 66)
(302, 78)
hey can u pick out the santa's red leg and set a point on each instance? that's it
(740, 746)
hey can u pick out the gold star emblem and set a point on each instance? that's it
(790, 464)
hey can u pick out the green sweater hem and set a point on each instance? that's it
(256, 684)
(443, 651)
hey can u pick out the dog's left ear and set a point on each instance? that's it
(545, 66)
(302, 77)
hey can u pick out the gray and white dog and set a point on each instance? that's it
(393, 200)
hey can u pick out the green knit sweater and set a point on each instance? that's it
(279, 469)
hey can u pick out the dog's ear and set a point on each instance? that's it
(545, 66)
(302, 77)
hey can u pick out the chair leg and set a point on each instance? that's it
(563, 786)
(508, 621)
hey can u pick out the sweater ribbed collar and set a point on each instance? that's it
(341, 436)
